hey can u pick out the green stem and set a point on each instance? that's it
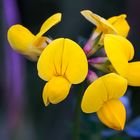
(76, 129)
(94, 50)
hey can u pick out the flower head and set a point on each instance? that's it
(102, 96)
(62, 63)
(28, 44)
(114, 25)
(120, 51)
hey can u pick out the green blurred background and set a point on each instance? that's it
(26, 118)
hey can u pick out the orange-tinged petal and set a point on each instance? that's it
(107, 87)
(56, 90)
(113, 114)
(119, 51)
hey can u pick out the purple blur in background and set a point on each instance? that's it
(14, 74)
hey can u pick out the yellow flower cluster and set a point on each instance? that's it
(62, 62)
(102, 96)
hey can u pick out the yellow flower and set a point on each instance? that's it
(114, 25)
(62, 63)
(120, 51)
(28, 44)
(102, 96)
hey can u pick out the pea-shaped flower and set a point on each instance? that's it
(114, 25)
(62, 63)
(102, 96)
(28, 44)
(119, 52)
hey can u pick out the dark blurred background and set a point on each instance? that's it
(22, 112)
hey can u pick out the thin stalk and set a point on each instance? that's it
(76, 129)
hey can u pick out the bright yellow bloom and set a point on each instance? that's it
(119, 51)
(28, 44)
(114, 25)
(102, 96)
(62, 63)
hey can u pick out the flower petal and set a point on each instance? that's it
(120, 24)
(56, 90)
(50, 60)
(133, 74)
(110, 86)
(119, 50)
(74, 62)
(20, 38)
(50, 22)
(102, 24)
(123, 44)
(90, 16)
(63, 57)
(113, 114)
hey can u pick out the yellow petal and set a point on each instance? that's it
(56, 90)
(63, 57)
(120, 24)
(119, 51)
(74, 62)
(90, 16)
(133, 74)
(20, 38)
(49, 62)
(110, 86)
(49, 23)
(24, 42)
(102, 24)
(113, 114)
(115, 19)
(123, 44)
